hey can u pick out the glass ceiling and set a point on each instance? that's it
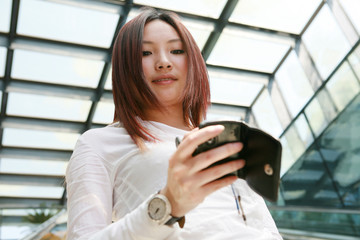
(286, 66)
(64, 22)
(280, 15)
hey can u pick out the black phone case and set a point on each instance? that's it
(261, 151)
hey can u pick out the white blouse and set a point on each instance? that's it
(109, 181)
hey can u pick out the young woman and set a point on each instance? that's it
(129, 181)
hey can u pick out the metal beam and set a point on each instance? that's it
(282, 60)
(219, 27)
(231, 106)
(314, 209)
(48, 89)
(107, 96)
(97, 97)
(106, 70)
(291, 234)
(42, 124)
(9, 60)
(30, 180)
(12, 202)
(60, 48)
(321, 4)
(4, 40)
(344, 21)
(38, 154)
(238, 70)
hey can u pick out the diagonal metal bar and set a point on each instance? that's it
(100, 89)
(9, 59)
(219, 27)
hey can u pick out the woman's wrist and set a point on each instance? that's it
(174, 207)
(180, 219)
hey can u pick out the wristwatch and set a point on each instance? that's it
(159, 210)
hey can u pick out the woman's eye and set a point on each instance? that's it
(146, 53)
(178, 51)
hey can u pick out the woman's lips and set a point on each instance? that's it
(164, 79)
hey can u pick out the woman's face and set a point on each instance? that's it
(164, 62)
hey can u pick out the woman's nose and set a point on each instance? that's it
(163, 63)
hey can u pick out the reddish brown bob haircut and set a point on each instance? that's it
(130, 90)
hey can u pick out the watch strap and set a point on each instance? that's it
(180, 220)
(173, 220)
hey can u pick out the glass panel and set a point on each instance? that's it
(265, 115)
(108, 83)
(283, 15)
(340, 146)
(39, 139)
(0, 99)
(104, 113)
(303, 129)
(287, 158)
(5, 13)
(354, 60)
(318, 222)
(233, 89)
(316, 117)
(58, 69)
(293, 83)
(328, 107)
(222, 112)
(30, 191)
(208, 8)
(295, 147)
(343, 86)
(14, 212)
(14, 232)
(67, 23)
(236, 49)
(30, 105)
(32, 166)
(352, 7)
(307, 183)
(199, 30)
(3, 52)
(326, 42)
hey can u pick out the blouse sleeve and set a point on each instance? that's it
(89, 204)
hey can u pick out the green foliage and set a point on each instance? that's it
(40, 215)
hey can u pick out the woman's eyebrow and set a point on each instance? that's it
(170, 41)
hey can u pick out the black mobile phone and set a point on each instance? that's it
(261, 152)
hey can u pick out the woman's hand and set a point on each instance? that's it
(189, 178)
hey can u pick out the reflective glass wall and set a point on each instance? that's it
(320, 192)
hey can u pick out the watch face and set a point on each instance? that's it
(157, 209)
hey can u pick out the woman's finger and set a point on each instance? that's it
(207, 158)
(194, 139)
(215, 185)
(192, 131)
(216, 172)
